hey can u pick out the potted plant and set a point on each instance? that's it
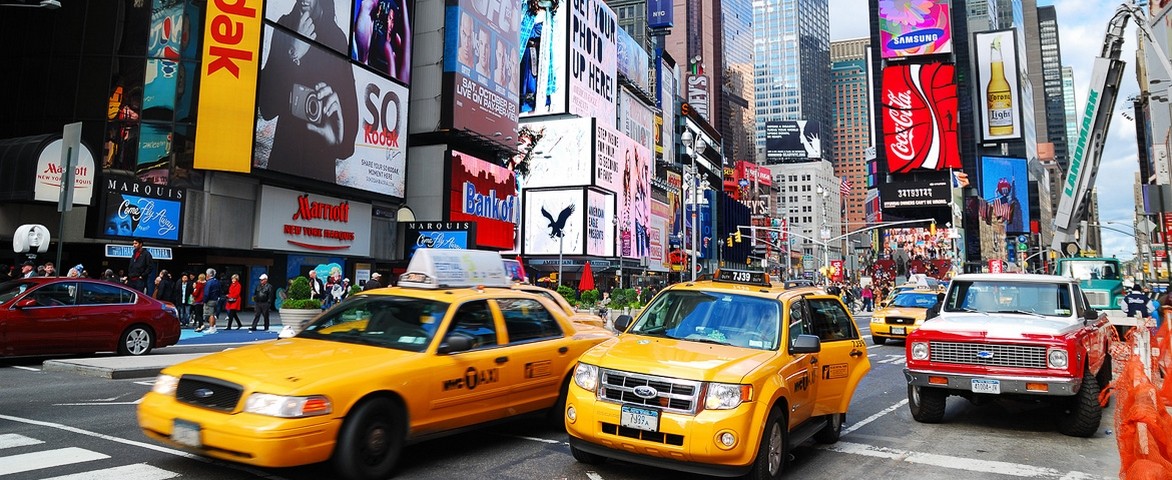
(298, 309)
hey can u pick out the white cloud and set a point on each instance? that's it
(1081, 25)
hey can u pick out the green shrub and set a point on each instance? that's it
(299, 293)
(624, 298)
(569, 294)
(590, 298)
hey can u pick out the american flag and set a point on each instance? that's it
(1002, 209)
(844, 187)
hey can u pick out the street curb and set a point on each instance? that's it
(117, 368)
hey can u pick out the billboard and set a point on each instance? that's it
(599, 224)
(324, 118)
(920, 117)
(382, 36)
(915, 194)
(133, 209)
(1005, 188)
(554, 222)
(636, 120)
(792, 141)
(566, 152)
(292, 220)
(227, 95)
(661, 218)
(998, 99)
(485, 194)
(633, 62)
(568, 59)
(914, 28)
(667, 104)
(634, 197)
(481, 67)
(323, 21)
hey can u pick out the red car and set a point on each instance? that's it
(53, 315)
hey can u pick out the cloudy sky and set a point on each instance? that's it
(1081, 27)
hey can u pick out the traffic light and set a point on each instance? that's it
(553, 276)
(729, 241)
(738, 236)
(932, 229)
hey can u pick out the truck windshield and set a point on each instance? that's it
(1090, 269)
(712, 317)
(1049, 299)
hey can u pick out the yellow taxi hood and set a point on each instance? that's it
(285, 366)
(677, 358)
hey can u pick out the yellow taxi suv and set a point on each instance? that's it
(721, 377)
(454, 345)
(902, 316)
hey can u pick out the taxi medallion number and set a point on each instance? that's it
(186, 433)
(639, 418)
(981, 385)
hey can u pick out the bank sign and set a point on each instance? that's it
(289, 220)
(485, 194)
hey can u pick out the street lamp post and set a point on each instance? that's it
(824, 233)
(695, 148)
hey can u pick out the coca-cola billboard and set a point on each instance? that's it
(919, 117)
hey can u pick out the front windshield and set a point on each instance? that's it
(9, 290)
(712, 317)
(1090, 270)
(401, 323)
(916, 300)
(1050, 299)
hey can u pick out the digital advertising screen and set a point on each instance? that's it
(485, 193)
(481, 66)
(325, 22)
(792, 141)
(1005, 188)
(381, 36)
(999, 97)
(568, 59)
(599, 223)
(566, 153)
(910, 28)
(919, 111)
(554, 222)
(133, 209)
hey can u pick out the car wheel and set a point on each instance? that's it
(583, 456)
(1081, 413)
(926, 404)
(877, 340)
(136, 340)
(833, 429)
(370, 441)
(556, 416)
(774, 449)
(1104, 377)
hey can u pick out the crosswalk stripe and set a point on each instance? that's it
(46, 459)
(138, 471)
(10, 440)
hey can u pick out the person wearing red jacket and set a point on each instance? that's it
(233, 302)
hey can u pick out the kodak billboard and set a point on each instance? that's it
(227, 97)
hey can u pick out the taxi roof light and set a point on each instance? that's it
(744, 277)
(434, 268)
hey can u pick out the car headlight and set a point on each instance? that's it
(1057, 358)
(919, 350)
(723, 396)
(586, 376)
(165, 385)
(287, 407)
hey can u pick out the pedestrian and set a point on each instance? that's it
(50, 270)
(184, 290)
(28, 269)
(5, 272)
(109, 276)
(78, 271)
(262, 302)
(1136, 302)
(317, 289)
(197, 301)
(212, 293)
(934, 310)
(373, 282)
(345, 288)
(140, 266)
(233, 301)
(868, 295)
(165, 288)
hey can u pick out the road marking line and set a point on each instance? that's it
(22, 367)
(593, 476)
(872, 418)
(958, 463)
(82, 404)
(537, 439)
(10, 440)
(138, 471)
(27, 462)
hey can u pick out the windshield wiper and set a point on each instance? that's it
(703, 339)
(1022, 312)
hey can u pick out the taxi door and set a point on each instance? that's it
(843, 360)
(467, 387)
(540, 352)
(799, 369)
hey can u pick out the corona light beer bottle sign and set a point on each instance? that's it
(997, 61)
(998, 99)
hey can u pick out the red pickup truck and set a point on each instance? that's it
(1012, 335)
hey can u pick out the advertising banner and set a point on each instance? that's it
(661, 218)
(920, 117)
(792, 141)
(667, 103)
(914, 28)
(636, 120)
(543, 34)
(438, 235)
(296, 221)
(486, 194)
(754, 173)
(998, 98)
(554, 222)
(1005, 188)
(697, 95)
(634, 197)
(323, 21)
(382, 36)
(227, 92)
(915, 194)
(599, 224)
(481, 66)
(633, 62)
(660, 13)
(134, 209)
(592, 68)
(324, 118)
(49, 171)
(566, 153)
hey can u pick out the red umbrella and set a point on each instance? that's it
(587, 282)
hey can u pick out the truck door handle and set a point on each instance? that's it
(502, 359)
(813, 360)
(856, 353)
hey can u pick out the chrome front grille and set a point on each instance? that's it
(208, 392)
(1097, 298)
(996, 355)
(900, 320)
(673, 394)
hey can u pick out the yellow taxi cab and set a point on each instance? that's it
(902, 316)
(917, 281)
(452, 346)
(575, 316)
(719, 377)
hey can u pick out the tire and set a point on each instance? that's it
(833, 429)
(774, 449)
(1104, 377)
(556, 416)
(585, 457)
(136, 341)
(1081, 414)
(877, 340)
(926, 404)
(370, 441)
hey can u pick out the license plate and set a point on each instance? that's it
(186, 433)
(986, 386)
(640, 418)
(899, 330)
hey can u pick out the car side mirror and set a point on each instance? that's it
(806, 344)
(1090, 314)
(28, 302)
(455, 344)
(622, 323)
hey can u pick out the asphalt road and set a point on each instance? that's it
(64, 426)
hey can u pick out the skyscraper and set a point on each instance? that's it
(791, 60)
(1069, 103)
(737, 123)
(1055, 100)
(851, 130)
